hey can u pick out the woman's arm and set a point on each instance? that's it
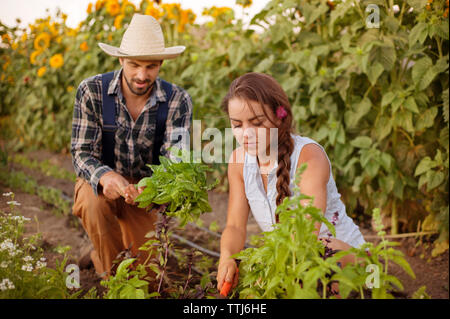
(314, 183)
(314, 179)
(235, 232)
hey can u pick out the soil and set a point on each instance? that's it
(65, 230)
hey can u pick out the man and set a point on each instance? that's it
(122, 121)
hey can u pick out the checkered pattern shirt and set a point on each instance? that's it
(133, 140)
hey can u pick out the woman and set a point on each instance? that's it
(261, 172)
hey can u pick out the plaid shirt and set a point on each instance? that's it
(133, 140)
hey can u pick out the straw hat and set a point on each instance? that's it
(143, 40)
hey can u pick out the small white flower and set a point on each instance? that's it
(4, 264)
(27, 267)
(7, 245)
(40, 264)
(6, 284)
(43, 259)
(20, 218)
(8, 194)
(27, 258)
(13, 202)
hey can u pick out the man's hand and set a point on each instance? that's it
(113, 185)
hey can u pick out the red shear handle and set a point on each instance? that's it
(226, 287)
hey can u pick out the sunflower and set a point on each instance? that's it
(99, 4)
(128, 7)
(113, 7)
(153, 11)
(42, 41)
(34, 55)
(6, 38)
(84, 46)
(57, 61)
(172, 10)
(41, 71)
(118, 21)
(71, 32)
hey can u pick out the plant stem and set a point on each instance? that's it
(439, 46)
(394, 222)
(401, 13)
(188, 278)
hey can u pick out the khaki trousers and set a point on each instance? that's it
(112, 226)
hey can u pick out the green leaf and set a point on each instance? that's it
(418, 33)
(265, 64)
(411, 105)
(426, 119)
(399, 260)
(445, 98)
(435, 178)
(362, 142)
(424, 165)
(417, 4)
(374, 72)
(387, 98)
(423, 72)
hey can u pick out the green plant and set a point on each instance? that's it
(181, 186)
(45, 166)
(23, 268)
(177, 190)
(293, 263)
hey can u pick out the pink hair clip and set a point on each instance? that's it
(281, 112)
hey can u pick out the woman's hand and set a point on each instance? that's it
(337, 244)
(227, 271)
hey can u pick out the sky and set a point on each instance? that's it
(29, 10)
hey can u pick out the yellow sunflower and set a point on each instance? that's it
(153, 11)
(34, 55)
(113, 7)
(99, 4)
(57, 61)
(128, 7)
(41, 71)
(42, 41)
(118, 21)
(6, 38)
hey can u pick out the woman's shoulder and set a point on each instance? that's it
(312, 153)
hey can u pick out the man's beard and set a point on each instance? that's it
(137, 91)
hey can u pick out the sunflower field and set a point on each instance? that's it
(376, 98)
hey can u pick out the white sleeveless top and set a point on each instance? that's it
(263, 205)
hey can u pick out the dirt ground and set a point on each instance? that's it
(59, 231)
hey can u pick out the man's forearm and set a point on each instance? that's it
(89, 167)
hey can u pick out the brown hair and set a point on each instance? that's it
(266, 91)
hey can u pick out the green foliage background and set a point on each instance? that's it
(375, 98)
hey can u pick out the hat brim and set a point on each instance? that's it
(168, 53)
